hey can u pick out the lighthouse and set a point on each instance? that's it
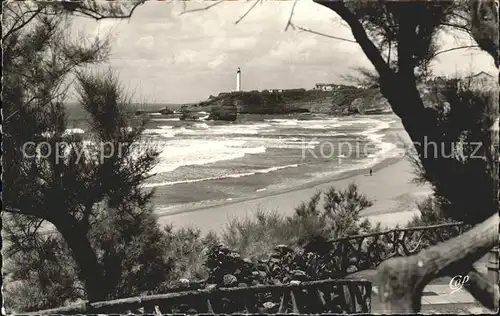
(238, 80)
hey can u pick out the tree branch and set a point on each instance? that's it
(15, 28)
(459, 27)
(15, 210)
(321, 34)
(248, 11)
(359, 33)
(289, 23)
(454, 48)
(402, 280)
(201, 9)
(81, 10)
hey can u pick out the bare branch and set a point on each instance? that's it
(322, 34)
(454, 48)
(371, 51)
(289, 23)
(201, 9)
(23, 23)
(458, 27)
(248, 11)
(82, 10)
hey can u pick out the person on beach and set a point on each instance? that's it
(371, 171)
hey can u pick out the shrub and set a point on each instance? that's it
(255, 238)
(189, 249)
(432, 214)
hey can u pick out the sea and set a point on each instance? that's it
(205, 162)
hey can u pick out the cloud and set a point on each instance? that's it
(146, 42)
(175, 57)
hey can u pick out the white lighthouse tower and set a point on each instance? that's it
(238, 80)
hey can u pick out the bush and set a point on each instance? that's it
(256, 237)
(189, 249)
(130, 246)
(432, 214)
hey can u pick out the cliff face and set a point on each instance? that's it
(345, 100)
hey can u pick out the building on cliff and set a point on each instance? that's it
(326, 86)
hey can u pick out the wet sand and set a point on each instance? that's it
(390, 188)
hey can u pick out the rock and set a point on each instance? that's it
(166, 111)
(187, 116)
(211, 287)
(227, 111)
(229, 280)
(299, 275)
(352, 269)
(184, 283)
(269, 305)
(283, 249)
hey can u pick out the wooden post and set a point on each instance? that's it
(493, 269)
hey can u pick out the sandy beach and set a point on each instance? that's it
(390, 188)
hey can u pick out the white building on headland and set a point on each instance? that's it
(238, 79)
(326, 86)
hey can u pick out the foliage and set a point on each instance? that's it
(401, 39)
(189, 249)
(463, 147)
(432, 214)
(392, 26)
(39, 270)
(80, 181)
(256, 237)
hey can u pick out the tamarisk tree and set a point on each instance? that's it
(467, 190)
(68, 183)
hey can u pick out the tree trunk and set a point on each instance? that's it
(402, 280)
(90, 271)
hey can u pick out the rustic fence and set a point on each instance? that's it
(334, 295)
(367, 251)
(324, 296)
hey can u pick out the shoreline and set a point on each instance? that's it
(390, 188)
(259, 194)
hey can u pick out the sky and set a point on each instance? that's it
(166, 56)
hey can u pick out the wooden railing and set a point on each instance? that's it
(351, 253)
(324, 296)
(367, 251)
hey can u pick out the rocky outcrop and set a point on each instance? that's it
(166, 111)
(186, 115)
(225, 112)
(345, 100)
